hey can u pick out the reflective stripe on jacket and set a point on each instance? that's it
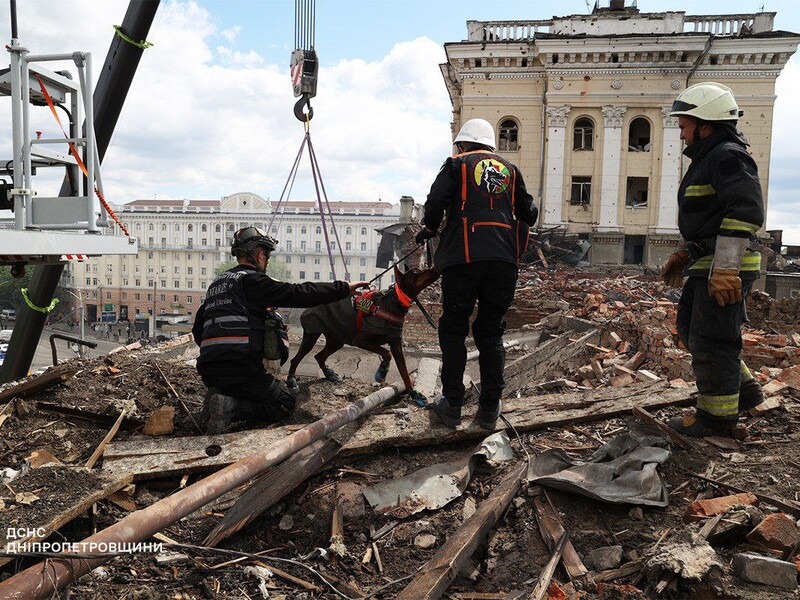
(720, 195)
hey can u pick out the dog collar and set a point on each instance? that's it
(404, 299)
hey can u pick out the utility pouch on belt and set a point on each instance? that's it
(276, 337)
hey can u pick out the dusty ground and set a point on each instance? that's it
(768, 462)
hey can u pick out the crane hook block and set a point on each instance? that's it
(304, 68)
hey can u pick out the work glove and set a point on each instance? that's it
(672, 272)
(725, 286)
(423, 235)
(724, 283)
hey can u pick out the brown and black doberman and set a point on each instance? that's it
(369, 321)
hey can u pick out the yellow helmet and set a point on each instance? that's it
(707, 101)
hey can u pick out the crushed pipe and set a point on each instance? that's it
(41, 580)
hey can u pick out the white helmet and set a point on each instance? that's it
(477, 131)
(707, 101)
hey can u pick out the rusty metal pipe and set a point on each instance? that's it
(41, 580)
(68, 338)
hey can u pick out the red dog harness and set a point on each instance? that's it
(365, 305)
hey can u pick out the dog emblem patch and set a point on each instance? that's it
(492, 177)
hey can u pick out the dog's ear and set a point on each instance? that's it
(397, 274)
(405, 268)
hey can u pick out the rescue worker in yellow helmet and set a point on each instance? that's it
(720, 209)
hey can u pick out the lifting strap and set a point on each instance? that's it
(78, 159)
(365, 306)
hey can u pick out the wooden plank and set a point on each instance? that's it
(540, 591)
(440, 571)
(128, 424)
(98, 452)
(677, 438)
(37, 384)
(73, 501)
(268, 489)
(148, 458)
(552, 529)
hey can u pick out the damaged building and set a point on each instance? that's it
(581, 103)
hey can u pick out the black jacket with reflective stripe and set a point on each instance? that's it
(489, 211)
(721, 192)
(259, 291)
(229, 331)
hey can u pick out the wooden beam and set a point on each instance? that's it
(98, 452)
(149, 458)
(128, 424)
(37, 384)
(440, 571)
(551, 530)
(680, 440)
(540, 591)
(268, 489)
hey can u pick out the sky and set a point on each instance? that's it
(210, 110)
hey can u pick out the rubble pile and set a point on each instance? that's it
(89, 443)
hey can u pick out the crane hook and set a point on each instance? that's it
(305, 99)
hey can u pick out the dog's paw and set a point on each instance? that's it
(383, 371)
(418, 398)
(331, 375)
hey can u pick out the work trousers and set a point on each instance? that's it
(258, 398)
(492, 285)
(713, 335)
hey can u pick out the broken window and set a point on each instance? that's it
(581, 191)
(639, 135)
(508, 136)
(636, 192)
(584, 135)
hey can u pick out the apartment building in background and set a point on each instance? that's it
(183, 242)
(581, 104)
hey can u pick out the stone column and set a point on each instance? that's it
(556, 148)
(608, 220)
(667, 218)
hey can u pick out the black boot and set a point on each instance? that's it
(446, 412)
(221, 413)
(750, 395)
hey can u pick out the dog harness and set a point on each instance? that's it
(365, 306)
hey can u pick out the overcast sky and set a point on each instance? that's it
(210, 110)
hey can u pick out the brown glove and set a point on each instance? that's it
(672, 272)
(725, 286)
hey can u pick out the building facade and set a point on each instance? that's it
(581, 104)
(183, 242)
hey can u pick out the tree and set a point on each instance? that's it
(222, 267)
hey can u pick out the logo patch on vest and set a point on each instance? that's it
(492, 177)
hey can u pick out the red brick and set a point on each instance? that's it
(791, 377)
(714, 506)
(779, 341)
(777, 531)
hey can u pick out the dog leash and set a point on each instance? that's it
(394, 264)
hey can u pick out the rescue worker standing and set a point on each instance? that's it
(489, 213)
(230, 329)
(720, 208)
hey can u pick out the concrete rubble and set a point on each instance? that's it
(585, 346)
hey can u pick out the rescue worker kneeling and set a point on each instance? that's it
(720, 208)
(230, 328)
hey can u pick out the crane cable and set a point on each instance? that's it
(304, 66)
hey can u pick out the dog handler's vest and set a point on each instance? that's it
(481, 224)
(229, 330)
